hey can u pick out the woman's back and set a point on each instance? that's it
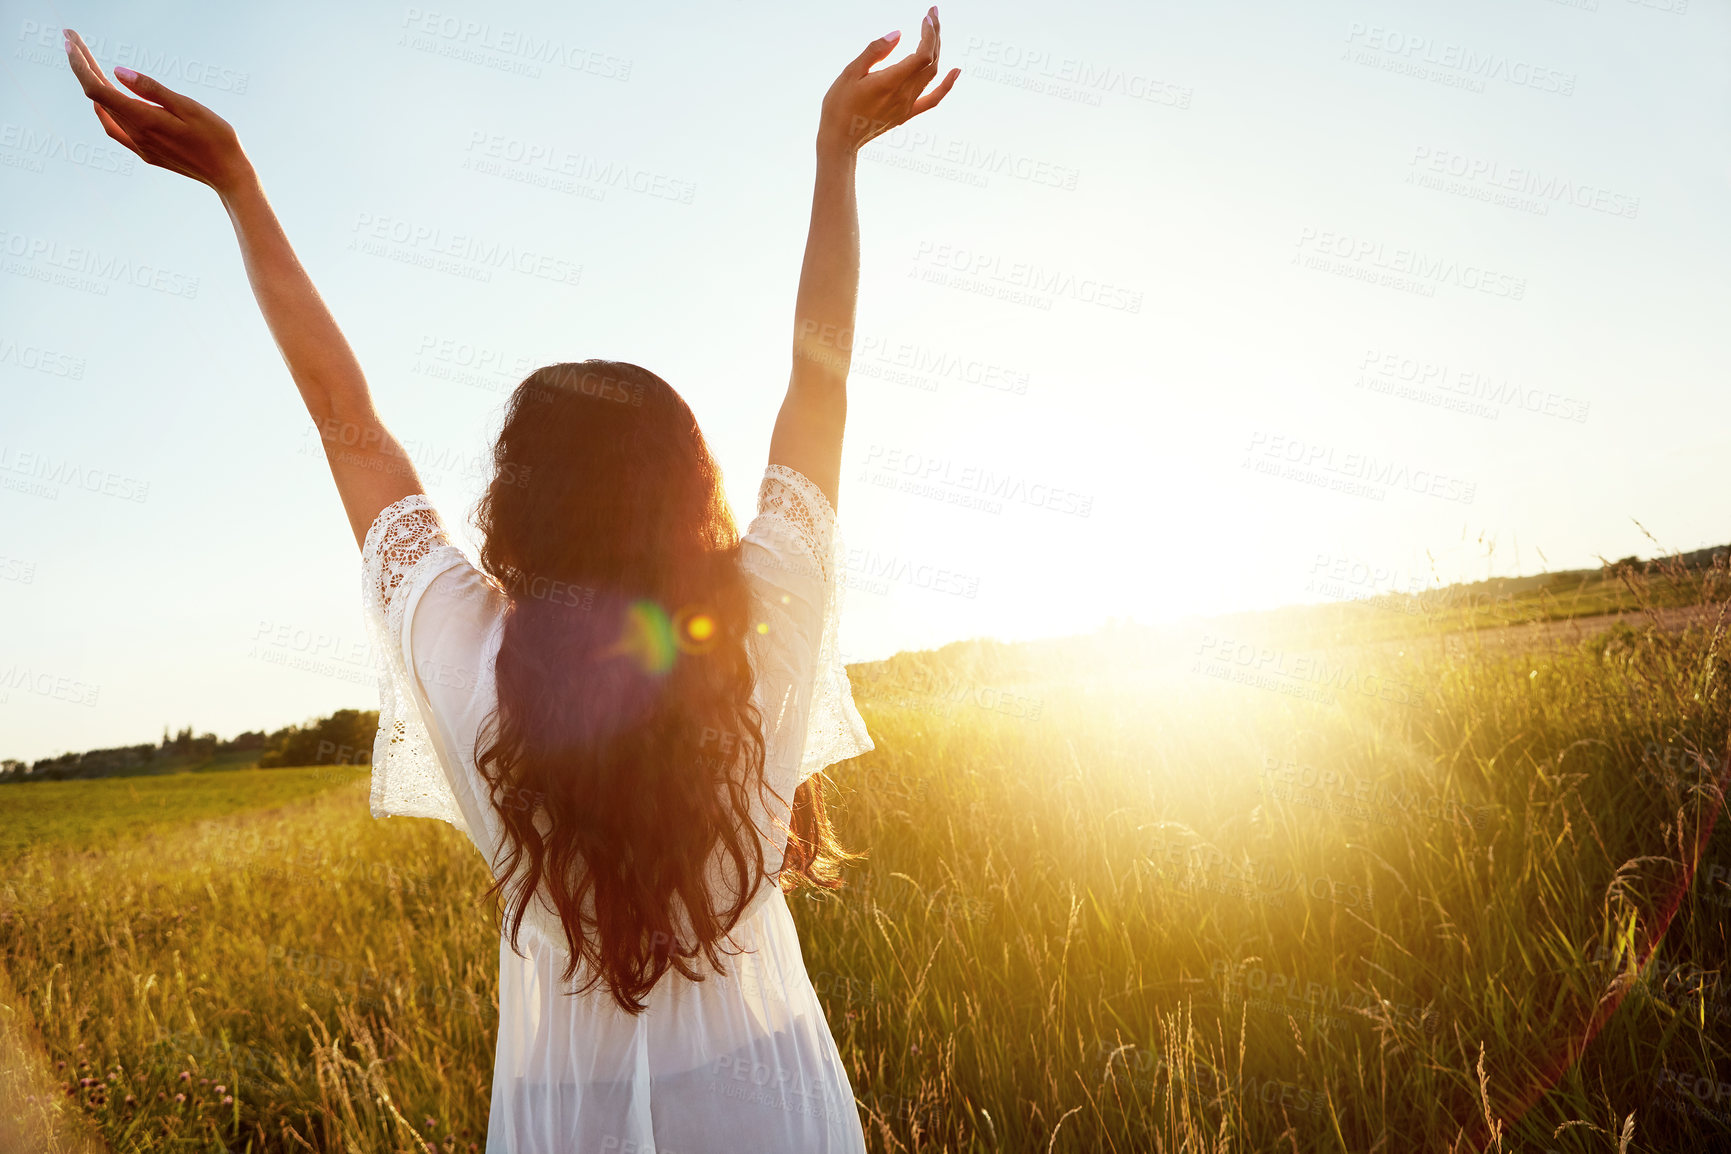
(595, 789)
(740, 1060)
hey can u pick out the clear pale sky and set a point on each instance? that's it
(1168, 310)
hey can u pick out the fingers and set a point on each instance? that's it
(78, 51)
(90, 78)
(897, 92)
(154, 91)
(96, 86)
(115, 131)
(874, 52)
(925, 56)
(930, 99)
(114, 109)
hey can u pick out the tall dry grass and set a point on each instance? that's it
(1110, 905)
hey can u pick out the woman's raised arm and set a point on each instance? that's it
(860, 104)
(174, 132)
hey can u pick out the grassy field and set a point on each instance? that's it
(1115, 900)
(1364, 610)
(94, 815)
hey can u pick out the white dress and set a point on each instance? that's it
(741, 1062)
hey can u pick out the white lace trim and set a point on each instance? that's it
(796, 499)
(834, 730)
(405, 549)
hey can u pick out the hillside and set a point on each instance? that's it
(985, 672)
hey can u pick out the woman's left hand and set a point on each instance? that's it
(862, 104)
(165, 128)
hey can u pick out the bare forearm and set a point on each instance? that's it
(169, 130)
(318, 356)
(368, 465)
(860, 104)
(808, 430)
(829, 276)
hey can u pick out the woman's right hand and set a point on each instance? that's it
(862, 104)
(164, 129)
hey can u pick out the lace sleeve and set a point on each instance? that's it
(791, 496)
(405, 549)
(834, 729)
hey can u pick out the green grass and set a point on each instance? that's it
(100, 813)
(230, 759)
(1370, 615)
(1107, 907)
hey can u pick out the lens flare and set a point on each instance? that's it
(647, 638)
(694, 630)
(654, 640)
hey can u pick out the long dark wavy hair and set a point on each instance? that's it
(625, 753)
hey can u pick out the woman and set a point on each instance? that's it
(624, 704)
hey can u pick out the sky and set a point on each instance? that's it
(1169, 310)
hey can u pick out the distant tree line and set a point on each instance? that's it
(343, 738)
